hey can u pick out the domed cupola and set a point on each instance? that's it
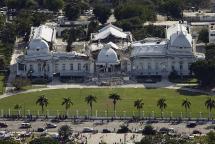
(181, 40)
(107, 55)
(38, 46)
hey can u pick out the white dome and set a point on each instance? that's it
(107, 55)
(38, 44)
(181, 40)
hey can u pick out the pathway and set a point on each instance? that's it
(17, 52)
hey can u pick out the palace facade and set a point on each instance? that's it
(110, 51)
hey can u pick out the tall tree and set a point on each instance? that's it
(72, 12)
(139, 105)
(72, 35)
(65, 132)
(114, 97)
(54, 5)
(43, 102)
(102, 13)
(210, 104)
(67, 102)
(89, 100)
(203, 36)
(161, 103)
(186, 104)
(172, 8)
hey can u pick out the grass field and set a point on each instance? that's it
(1, 84)
(128, 95)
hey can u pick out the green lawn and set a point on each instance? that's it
(1, 84)
(128, 95)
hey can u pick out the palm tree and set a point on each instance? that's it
(139, 105)
(161, 103)
(115, 97)
(67, 102)
(18, 107)
(90, 99)
(210, 104)
(186, 104)
(42, 101)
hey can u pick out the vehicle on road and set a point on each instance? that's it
(139, 130)
(41, 130)
(197, 132)
(3, 125)
(25, 125)
(50, 125)
(106, 131)
(25, 134)
(164, 130)
(191, 124)
(88, 130)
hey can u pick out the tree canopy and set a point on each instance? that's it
(204, 70)
(102, 13)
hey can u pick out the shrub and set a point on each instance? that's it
(19, 83)
(149, 130)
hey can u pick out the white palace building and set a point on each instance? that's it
(111, 51)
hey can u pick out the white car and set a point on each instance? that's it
(25, 125)
(88, 130)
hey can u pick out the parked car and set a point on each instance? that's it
(197, 132)
(50, 125)
(191, 124)
(25, 134)
(164, 130)
(88, 130)
(3, 125)
(41, 130)
(172, 132)
(139, 130)
(106, 131)
(25, 125)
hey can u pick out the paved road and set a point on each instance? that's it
(113, 126)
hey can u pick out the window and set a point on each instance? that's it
(79, 67)
(71, 66)
(31, 67)
(21, 67)
(56, 67)
(63, 67)
(156, 66)
(181, 66)
(39, 68)
(149, 66)
(48, 69)
(87, 67)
